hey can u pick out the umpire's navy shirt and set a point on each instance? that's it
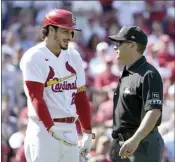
(140, 89)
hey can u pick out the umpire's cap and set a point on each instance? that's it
(130, 33)
(61, 18)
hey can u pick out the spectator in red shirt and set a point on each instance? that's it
(107, 77)
(164, 55)
(90, 49)
(102, 149)
(89, 78)
(152, 54)
(4, 151)
(171, 66)
(20, 155)
(157, 9)
(97, 64)
(16, 141)
(106, 5)
(157, 31)
(105, 110)
(170, 22)
(140, 21)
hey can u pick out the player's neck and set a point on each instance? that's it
(50, 46)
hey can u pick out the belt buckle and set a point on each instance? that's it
(69, 120)
(72, 119)
(66, 120)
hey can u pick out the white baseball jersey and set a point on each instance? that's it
(61, 75)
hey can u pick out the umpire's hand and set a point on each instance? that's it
(128, 147)
(59, 134)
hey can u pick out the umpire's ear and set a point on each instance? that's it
(132, 45)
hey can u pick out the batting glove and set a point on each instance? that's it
(59, 134)
(85, 144)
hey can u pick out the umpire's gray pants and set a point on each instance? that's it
(150, 149)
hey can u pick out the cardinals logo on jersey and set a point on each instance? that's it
(60, 84)
(70, 68)
(50, 75)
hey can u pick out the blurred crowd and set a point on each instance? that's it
(21, 25)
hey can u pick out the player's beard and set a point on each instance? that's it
(64, 45)
(63, 48)
(59, 44)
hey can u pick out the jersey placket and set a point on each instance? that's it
(59, 62)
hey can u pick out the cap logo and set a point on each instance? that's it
(73, 19)
(133, 37)
(137, 29)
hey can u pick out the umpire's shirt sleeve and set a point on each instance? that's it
(152, 91)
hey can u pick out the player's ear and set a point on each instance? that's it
(132, 45)
(51, 29)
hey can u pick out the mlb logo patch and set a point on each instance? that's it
(128, 90)
(155, 95)
(73, 19)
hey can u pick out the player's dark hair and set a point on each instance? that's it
(45, 31)
(141, 48)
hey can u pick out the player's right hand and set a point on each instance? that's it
(59, 134)
(85, 144)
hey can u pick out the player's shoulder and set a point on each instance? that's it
(34, 53)
(74, 54)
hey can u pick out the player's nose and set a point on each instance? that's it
(69, 37)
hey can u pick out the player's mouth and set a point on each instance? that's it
(65, 41)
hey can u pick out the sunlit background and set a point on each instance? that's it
(21, 25)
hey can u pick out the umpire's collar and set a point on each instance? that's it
(135, 66)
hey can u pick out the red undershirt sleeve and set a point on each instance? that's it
(83, 110)
(81, 99)
(34, 71)
(35, 90)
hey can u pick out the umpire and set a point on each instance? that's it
(137, 102)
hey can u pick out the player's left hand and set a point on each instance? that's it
(85, 144)
(128, 147)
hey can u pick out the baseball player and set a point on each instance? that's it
(54, 82)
